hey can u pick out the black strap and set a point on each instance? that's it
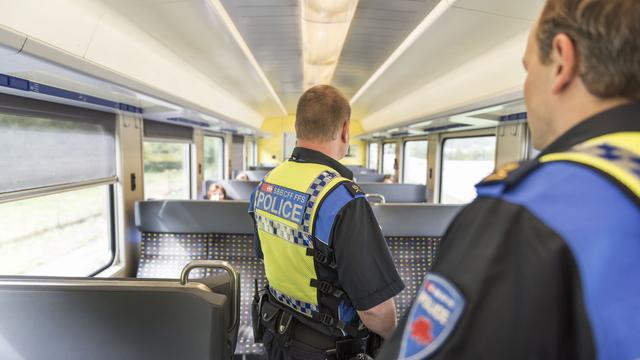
(330, 321)
(327, 259)
(326, 287)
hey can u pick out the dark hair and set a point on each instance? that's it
(321, 112)
(607, 37)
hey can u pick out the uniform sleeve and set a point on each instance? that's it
(365, 267)
(520, 285)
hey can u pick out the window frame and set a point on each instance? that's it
(491, 132)
(224, 153)
(404, 156)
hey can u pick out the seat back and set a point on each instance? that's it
(81, 318)
(413, 233)
(176, 231)
(257, 175)
(368, 177)
(234, 189)
(397, 193)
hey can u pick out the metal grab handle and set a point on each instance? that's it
(378, 196)
(216, 264)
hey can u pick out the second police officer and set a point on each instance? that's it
(331, 278)
(544, 263)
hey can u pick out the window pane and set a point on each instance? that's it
(373, 156)
(213, 158)
(465, 162)
(415, 162)
(166, 170)
(389, 159)
(66, 234)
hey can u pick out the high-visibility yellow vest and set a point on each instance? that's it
(616, 155)
(285, 206)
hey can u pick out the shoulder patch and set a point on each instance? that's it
(354, 189)
(502, 173)
(433, 317)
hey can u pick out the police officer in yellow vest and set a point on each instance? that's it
(331, 278)
(545, 263)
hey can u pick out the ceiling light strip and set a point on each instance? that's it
(245, 49)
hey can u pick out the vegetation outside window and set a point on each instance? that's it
(214, 158)
(64, 234)
(166, 170)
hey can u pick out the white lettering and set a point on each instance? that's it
(297, 213)
(287, 212)
(268, 201)
(260, 199)
(436, 310)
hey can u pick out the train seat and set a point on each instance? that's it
(92, 318)
(413, 233)
(368, 177)
(235, 189)
(397, 193)
(174, 232)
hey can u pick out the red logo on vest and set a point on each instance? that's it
(422, 331)
(268, 188)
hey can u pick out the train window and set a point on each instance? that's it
(64, 234)
(415, 162)
(213, 157)
(389, 159)
(166, 170)
(465, 162)
(373, 156)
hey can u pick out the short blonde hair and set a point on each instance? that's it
(321, 112)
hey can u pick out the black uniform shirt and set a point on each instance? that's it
(365, 268)
(523, 287)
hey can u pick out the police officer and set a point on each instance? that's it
(331, 278)
(545, 263)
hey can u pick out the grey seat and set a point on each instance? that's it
(215, 230)
(368, 177)
(257, 175)
(413, 233)
(397, 193)
(80, 318)
(235, 189)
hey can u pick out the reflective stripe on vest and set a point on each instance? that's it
(285, 205)
(617, 155)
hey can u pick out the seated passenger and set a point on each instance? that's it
(390, 179)
(242, 176)
(544, 264)
(216, 192)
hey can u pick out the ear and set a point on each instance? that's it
(344, 134)
(565, 65)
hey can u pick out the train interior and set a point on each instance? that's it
(118, 117)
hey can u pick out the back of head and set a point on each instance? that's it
(606, 34)
(321, 112)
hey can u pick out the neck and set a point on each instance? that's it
(327, 148)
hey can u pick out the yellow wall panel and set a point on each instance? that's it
(270, 148)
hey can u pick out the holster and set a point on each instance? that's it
(260, 298)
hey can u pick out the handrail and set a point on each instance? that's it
(216, 264)
(383, 200)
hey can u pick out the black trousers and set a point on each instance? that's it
(295, 351)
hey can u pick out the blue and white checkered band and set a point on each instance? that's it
(284, 232)
(302, 307)
(621, 157)
(314, 190)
